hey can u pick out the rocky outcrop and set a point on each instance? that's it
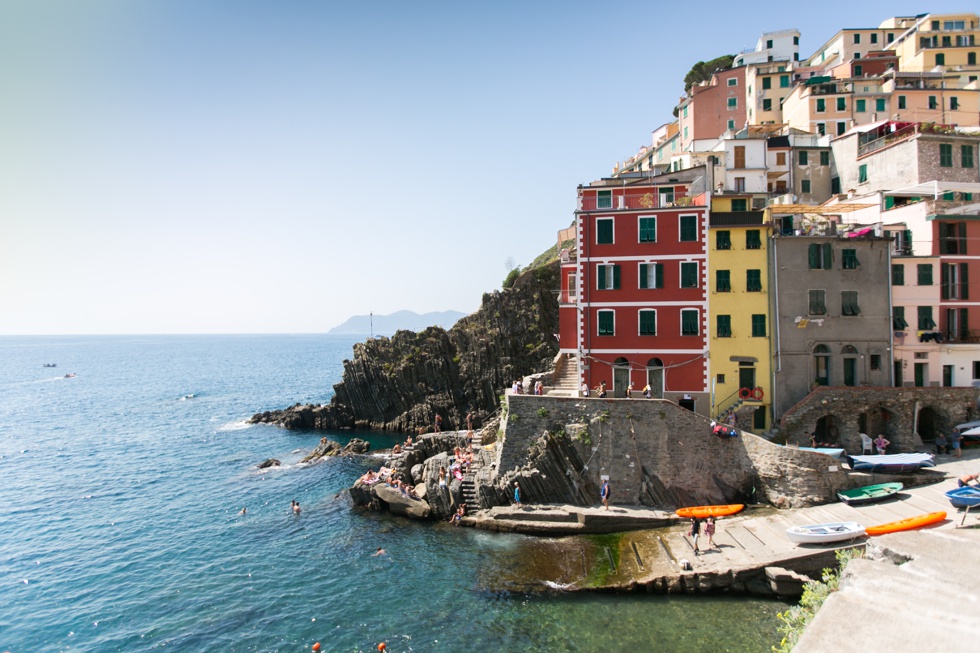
(401, 383)
(328, 448)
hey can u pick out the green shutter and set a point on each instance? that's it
(813, 252)
(689, 323)
(724, 326)
(828, 257)
(803, 158)
(659, 272)
(849, 260)
(689, 275)
(966, 152)
(643, 276)
(723, 282)
(648, 323)
(753, 239)
(925, 274)
(615, 277)
(898, 275)
(758, 326)
(962, 233)
(964, 281)
(604, 231)
(898, 318)
(601, 274)
(648, 230)
(607, 323)
(753, 280)
(723, 240)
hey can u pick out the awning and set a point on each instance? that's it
(935, 188)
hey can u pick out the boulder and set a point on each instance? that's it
(357, 446)
(325, 448)
(271, 462)
(400, 504)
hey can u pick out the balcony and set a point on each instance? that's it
(632, 201)
(962, 337)
(736, 218)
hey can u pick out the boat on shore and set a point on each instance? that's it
(892, 463)
(964, 497)
(908, 524)
(825, 533)
(703, 512)
(869, 493)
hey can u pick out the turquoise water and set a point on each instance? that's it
(120, 492)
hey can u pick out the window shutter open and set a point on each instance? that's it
(615, 277)
(828, 257)
(660, 275)
(964, 281)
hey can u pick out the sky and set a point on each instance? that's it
(235, 166)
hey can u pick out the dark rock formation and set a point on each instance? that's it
(271, 462)
(402, 383)
(328, 448)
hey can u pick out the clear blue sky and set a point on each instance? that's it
(196, 166)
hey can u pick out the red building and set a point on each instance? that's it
(634, 279)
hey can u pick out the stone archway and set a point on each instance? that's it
(828, 429)
(929, 423)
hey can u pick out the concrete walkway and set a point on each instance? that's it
(916, 591)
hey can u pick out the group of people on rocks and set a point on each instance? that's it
(386, 475)
(601, 391)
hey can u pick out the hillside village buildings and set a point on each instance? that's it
(804, 222)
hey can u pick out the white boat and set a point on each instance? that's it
(824, 533)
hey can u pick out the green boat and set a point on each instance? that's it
(869, 493)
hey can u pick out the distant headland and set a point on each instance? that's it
(389, 324)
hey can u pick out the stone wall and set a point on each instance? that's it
(886, 410)
(655, 454)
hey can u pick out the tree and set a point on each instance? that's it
(703, 70)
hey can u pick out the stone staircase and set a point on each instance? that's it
(468, 486)
(566, 383)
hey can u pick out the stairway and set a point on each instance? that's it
(468, 485)
(566, 384)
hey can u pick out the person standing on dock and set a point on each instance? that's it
(956, 440)
(605, 493)
(517, 494)
(695, 532)
(709, 530)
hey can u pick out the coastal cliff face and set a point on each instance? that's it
(401, 383)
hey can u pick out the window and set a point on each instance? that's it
(738, 154)
(604, 231)
(796, 40)
(898, 318)
(753, 239)
(849, 259)
(955, 282)
(860, 106)
(739, 205)
(971, 58)
(933, 104)
(666, 196)
(723, 239)
(608, 277)
(857, 39)
(603, 199)
(966, 154)
(976, 369)
(879, 104)
(891, 36)
(924, 274)
(689, 322)
(821, 105)
(648, 323)
(767, 105)
(753, 280)
(731, 124)
(874, 38)
(901, 101)
(940, 59)
(780, 158)
(952, 238)
(733, 81)
(825, 158)
(724, 326)
(784, 81)
(849, 303)
(685, 111)
(651, 275)
(648, 230)
(819, 256)
(945, 155)
(732, 102)
(766, 83)
(858, 70)
(898, 275)
(759, 326)
(954, 103)
(822, 128)
(805, 186)
(769, 44)
(817, 302)
(841, 128)
(607, 323)
(803, 157)
(862, 173)
(689, 275)
(875, 362)
(685, 132)
(720, 378)
(689, 228)
(926, 323)
(723, 281)
(841, 104)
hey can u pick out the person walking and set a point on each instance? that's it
(605, 493)
(956, 440)
(695, 532)
(709, 530)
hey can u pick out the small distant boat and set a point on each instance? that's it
(827, 451)
(70, 376)
(869, 493)
(825, 533)
(51, 365)
(964, 497)
(892, 463)
(908, 524)
(703, 512)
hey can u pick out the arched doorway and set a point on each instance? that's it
(821, 364)
(655, 377)
(828, 430)
(928, 423)
(621, 377)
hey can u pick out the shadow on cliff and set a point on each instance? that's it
(401, 383)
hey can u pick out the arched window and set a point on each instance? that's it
(621, 377)
(655, 377)
(821, 364)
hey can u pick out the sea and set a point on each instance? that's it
(134, 517)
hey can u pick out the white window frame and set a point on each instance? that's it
(598, 322)
(697, 275)
(639, 321)
(697, 313)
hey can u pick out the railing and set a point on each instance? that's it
(736, 218)
(735, 399)
(963, 336)
(567, 296)
(628, 201)
(887, 139)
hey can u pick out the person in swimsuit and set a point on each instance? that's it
(605, 494)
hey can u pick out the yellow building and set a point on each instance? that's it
(949, 42)
(739, 315)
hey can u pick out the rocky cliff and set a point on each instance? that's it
(401, 383)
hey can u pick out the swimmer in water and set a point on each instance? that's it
(379, 552)
(242, 512)
(296, 508)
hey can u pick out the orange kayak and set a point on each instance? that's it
(907, 524)
(701, 512)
